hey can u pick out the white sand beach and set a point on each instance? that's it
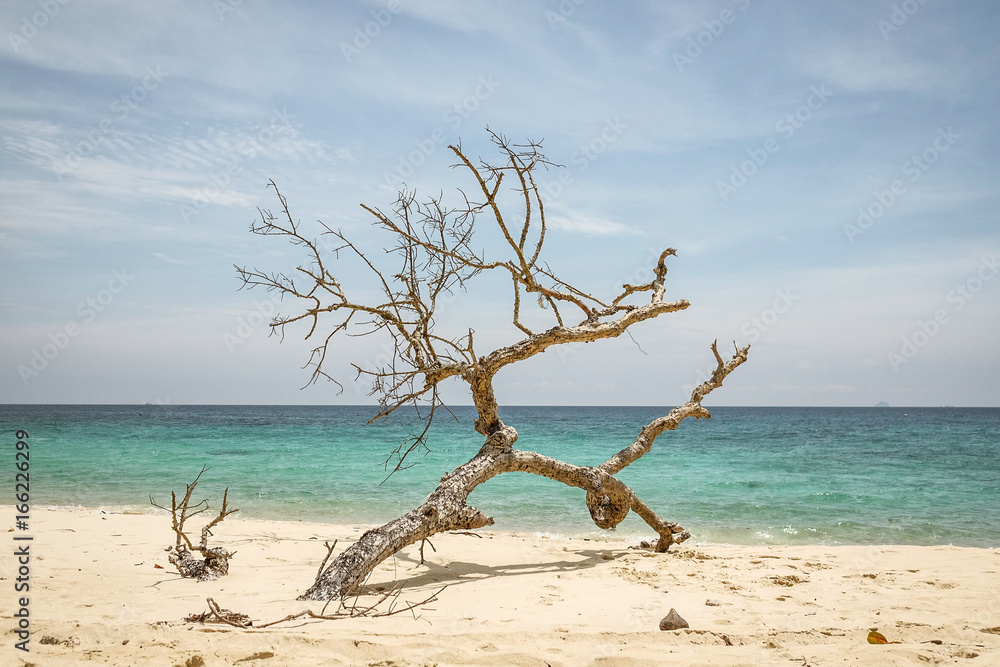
(97, 597)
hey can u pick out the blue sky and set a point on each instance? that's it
(827, 171)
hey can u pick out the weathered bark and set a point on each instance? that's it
(213, 564)
(443, 510)
(607, 498)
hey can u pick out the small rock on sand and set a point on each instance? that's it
(673, 621)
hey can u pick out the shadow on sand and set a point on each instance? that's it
(460, 572)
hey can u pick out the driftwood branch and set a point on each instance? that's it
(387, 604)
(215, 560)
(432, 253)
(216, 614)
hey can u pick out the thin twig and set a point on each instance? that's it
(329, 552)
(353, 611)
(422, 549)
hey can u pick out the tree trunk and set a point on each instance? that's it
(608, 499)
(445, 509)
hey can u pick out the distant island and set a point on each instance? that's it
(881, 404)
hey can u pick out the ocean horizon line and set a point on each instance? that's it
(510, 405)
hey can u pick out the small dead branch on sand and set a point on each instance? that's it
(215, 560)
(387, 604)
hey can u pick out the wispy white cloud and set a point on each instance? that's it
(27, 249)
(163, 257)
(125, 166)
(584, 223)
(38, 142)
(521, 26)
(866, 68)
(674, 22)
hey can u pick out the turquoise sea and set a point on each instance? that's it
(920, 476)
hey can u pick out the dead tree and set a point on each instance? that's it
(433, 247)
(214, 562)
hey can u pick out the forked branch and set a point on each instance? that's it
(215, 560)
